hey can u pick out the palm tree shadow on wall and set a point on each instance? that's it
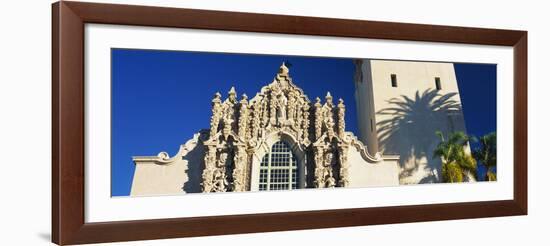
(408, 129)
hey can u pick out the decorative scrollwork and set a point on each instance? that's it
(238, 127)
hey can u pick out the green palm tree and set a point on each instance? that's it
(487, 155)
(456, 163)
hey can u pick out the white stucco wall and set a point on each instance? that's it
(160, 175)
(372, 174)
(407, 116)
(151, 178)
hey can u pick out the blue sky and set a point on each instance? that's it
(477, 84)
(161, 98)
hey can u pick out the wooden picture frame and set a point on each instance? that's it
(68, 117)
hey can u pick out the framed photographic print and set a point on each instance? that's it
(175, 122)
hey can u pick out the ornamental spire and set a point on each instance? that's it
(328, 98)
(283, 69)
(232, 91)
(232, 95)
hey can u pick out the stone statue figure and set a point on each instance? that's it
(275, 90)
(222, 160)
(330, 180)
(281, 109)
(220, 181)
(328, 159)
(227, 126)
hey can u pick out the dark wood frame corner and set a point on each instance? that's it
(68, 224)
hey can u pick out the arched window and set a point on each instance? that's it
(278, 170)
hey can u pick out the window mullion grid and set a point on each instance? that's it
(268, 172)
(290, 170)
(274, 162)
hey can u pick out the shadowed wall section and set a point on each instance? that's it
(407, 102)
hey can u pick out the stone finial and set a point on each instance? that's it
(232, 95)
(217, 98)
(283, 69)
(244, 99)
(232, 91)
(328, 97)
(340, 102)
(317, 102)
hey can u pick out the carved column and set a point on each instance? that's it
(291, 111)
(328, 169)
(209, 168)
(273, 108)
(330, 126)
(229, 116)
(318, 118)
(264, 111)
(341, 118)
(305, 122)
(328, 115)
(239, 172)
(344, 166)
(255, 121)
(220, 174)
(318, 156)
(216, 114)
(243, 116)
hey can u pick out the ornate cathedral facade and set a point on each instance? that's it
(241, 133)
(277, 140)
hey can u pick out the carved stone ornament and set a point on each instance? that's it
(239, 128)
